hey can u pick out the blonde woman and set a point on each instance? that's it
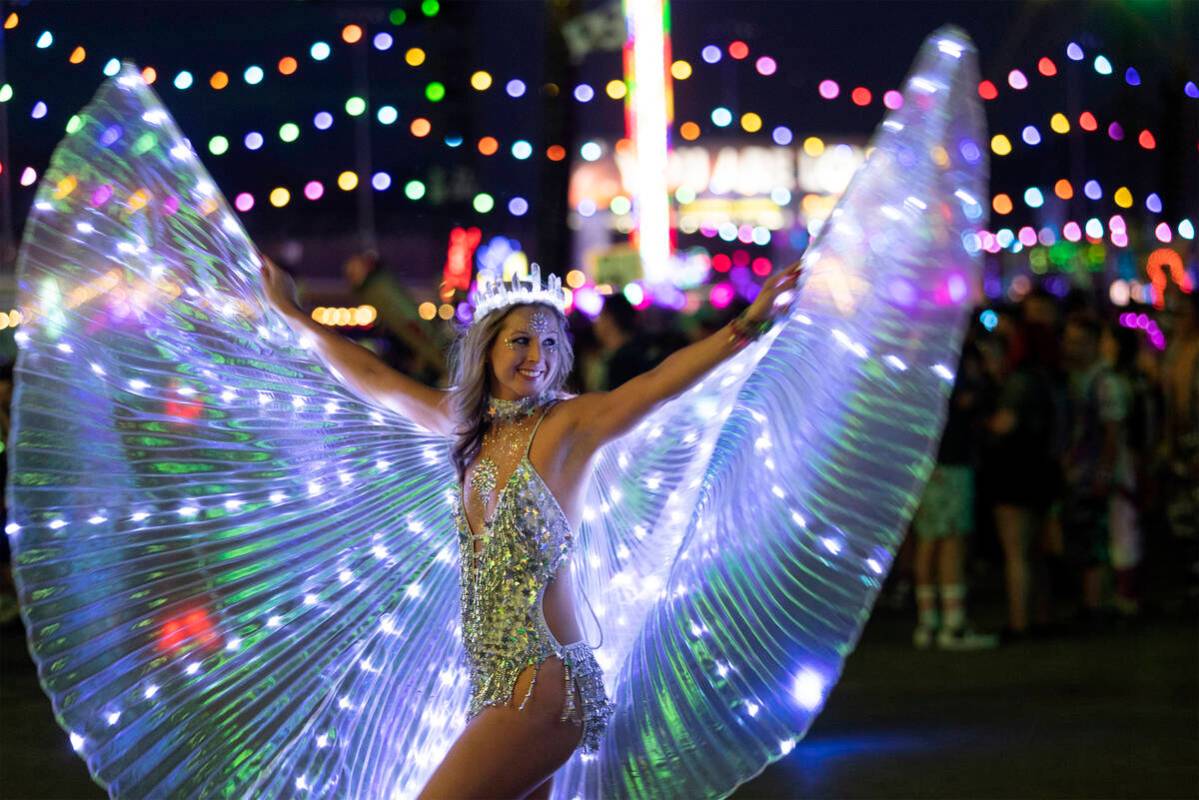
(522, 452)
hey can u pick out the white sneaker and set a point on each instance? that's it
(965, 638)
(922, 637)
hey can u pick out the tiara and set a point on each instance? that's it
(494, 293)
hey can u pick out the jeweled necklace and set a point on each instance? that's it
(499, 410)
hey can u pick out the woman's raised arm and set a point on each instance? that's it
(600, 417)
(360, 369)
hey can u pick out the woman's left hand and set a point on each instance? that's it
(777, 295)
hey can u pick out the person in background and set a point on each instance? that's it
(945, 518)
(1180, 384)
(417, 350)
(1021, 472)
(626, 353)
(1097, 465)
(1121, 348)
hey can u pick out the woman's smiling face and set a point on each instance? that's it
(525, 353)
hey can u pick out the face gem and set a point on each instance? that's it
(540, 322)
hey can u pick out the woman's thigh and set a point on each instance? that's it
(508, 753)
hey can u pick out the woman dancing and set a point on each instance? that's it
(537, 692)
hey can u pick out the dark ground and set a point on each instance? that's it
(1106, 715)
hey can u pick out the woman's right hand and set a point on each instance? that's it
(279, 288)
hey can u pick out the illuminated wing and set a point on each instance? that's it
(734, 543)
(237, 579)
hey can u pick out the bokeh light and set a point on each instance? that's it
(483, 203)
(480, 81)
(347, 181)
(387, 115)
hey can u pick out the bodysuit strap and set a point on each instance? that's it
(541, 419)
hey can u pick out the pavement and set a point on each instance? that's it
(1104, 715)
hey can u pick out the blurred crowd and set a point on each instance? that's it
(1073, 438)
(1067, 475)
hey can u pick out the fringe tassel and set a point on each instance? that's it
(529, 693)
(568, 708)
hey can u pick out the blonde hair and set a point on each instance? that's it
(470, 373)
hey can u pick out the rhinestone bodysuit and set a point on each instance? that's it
(505, 570)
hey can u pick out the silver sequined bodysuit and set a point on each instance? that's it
(521, 548)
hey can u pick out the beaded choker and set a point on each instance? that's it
(508, 410)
